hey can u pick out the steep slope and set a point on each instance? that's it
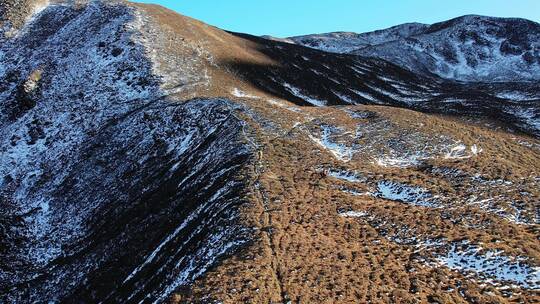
(146, 155)
(468, 48)
(109, 190)
(313, 77)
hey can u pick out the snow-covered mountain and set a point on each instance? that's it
(347, 42)
(468, 48)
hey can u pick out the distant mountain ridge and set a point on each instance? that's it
(467, 48)
(346, 42)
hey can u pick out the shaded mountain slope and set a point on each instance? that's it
(312, 77)
(110, 191)
(147, 157)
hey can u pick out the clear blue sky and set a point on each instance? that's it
(282, 18)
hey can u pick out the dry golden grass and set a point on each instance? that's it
(304, 251)
(307, 253)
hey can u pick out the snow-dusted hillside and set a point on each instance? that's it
(313, 77)
(100, 174)
(468, 48)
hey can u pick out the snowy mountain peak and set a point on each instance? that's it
(467, 48)
(345, 42)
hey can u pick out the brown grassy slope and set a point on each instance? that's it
(181, 37)
(305, 252)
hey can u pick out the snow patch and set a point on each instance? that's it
(340, 151)
(352, 177)
(354, 214)
(491, 265)
(404, 193)
(239, 93)
(459, 151)
(298, 93)
(529, 117)
(366, 96)
(515, 96)
(400, 162)
(281, 105)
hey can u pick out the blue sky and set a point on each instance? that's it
(284, 18)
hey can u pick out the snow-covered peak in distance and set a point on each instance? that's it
(345, 42)
(467, 48)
